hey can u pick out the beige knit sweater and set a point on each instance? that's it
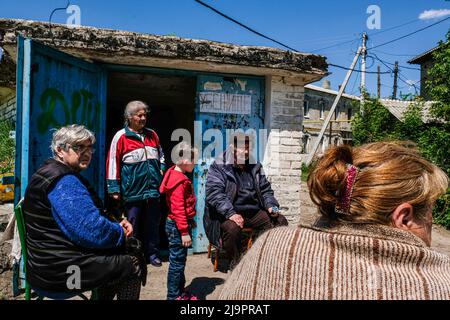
(364, 262)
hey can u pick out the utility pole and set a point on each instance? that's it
(394, 94)
(363, 63)
(363, 70)
(379, 82)
(331, 133)
(333, 108)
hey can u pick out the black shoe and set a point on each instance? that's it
(155, 261)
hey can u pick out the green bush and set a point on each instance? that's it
(7, 148)
(305, 172)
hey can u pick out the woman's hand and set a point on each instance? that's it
(115, 196)
(127, 228)
(186, 241)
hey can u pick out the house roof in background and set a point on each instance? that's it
(423, 56)
(399, 107)
(330, 91)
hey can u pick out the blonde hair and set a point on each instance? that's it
(390, 173)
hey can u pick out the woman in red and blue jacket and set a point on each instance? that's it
(135, 165)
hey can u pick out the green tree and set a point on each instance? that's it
(375, 124)
(435, 142)
(431, 136)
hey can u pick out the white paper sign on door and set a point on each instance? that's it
(219, 102)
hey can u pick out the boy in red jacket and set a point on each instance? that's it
(181, 201)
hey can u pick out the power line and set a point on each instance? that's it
(392, 28)
(264, 36)
(395, 55)
(399, 73)
(357, 70)
(370, 35)
(335, 45)
(403, 67)
(244, 26)
(50, 19)
(295, 50)
(409, 34)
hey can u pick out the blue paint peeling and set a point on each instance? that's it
(79, 96)
(254, 120)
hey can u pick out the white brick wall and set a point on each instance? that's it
(8, 109)
(282, 161)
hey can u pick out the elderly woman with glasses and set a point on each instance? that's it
(67, 229)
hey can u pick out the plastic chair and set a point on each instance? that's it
(248, 234)
(40, 294)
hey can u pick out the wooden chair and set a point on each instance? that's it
(22, 236)
(247, 242)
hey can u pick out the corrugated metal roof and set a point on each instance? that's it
(399, 107)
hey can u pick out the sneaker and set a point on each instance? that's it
(188, 296)
(155, 261)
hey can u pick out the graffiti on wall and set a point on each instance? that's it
(83, 108)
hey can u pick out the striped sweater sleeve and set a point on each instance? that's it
(162, 160)
(113, 163)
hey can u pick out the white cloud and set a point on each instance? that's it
(434, 14)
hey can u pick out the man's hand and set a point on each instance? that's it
(272, 213)
(186, 241)
(127, 228)
(237, 218)
(115, 196)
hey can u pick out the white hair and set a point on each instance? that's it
(71, 135)
(133, 107)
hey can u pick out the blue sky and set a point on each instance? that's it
(304, 25)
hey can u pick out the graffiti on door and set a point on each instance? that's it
(83, 108)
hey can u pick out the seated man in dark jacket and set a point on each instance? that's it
(238, 195)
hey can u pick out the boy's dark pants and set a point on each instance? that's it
(177, 261)
(145, 217)
(232, 233)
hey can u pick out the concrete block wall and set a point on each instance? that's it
(283, 160)
(8, 109)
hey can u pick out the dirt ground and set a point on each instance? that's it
(200, 277)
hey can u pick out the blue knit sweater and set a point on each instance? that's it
(78, 217)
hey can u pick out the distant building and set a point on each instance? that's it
(317, 105)
(426, 61)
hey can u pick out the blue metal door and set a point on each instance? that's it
(223, 102)
(55, 89)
